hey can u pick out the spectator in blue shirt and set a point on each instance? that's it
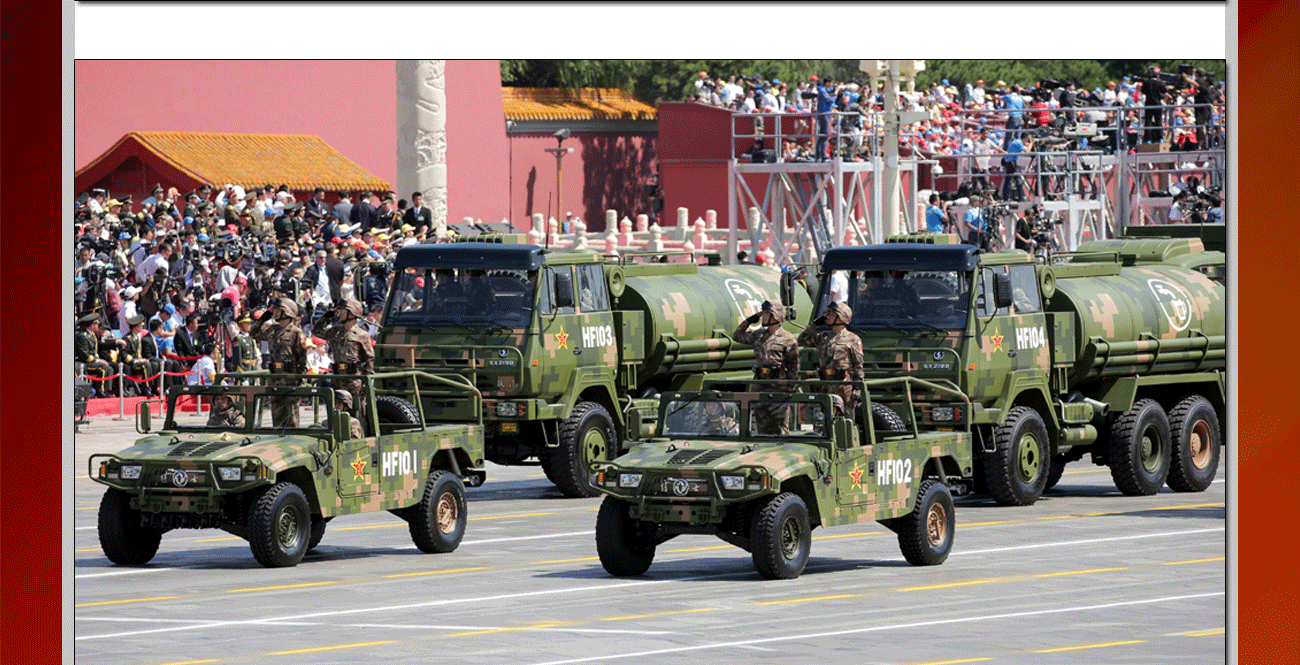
(1014, 104)
(1012, 181)
(975, 224)
(825, 104)
(935, 216)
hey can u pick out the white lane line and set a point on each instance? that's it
(870, 629)
(1085, 542)
(552, 592)
(114, 573)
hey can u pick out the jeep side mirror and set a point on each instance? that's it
(341, 427)
(1002, 290)
(787, 289)
(143, 417)
(563, 289)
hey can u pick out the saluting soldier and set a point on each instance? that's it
(244, 353)
(839, 352)
(776, 357)
(279, 328)
(350, 346)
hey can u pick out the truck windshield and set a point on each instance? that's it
(464, 297)
(892, 299)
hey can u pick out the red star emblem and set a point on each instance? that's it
(562, 338)
(360, 467)
(997, 342)
(856, 475)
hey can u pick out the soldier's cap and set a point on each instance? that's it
(126, 199)
(156, 189)
(244, 318)
(87, 319)
(343, 396)
(313, 214)
(844, 312)
(778, 311)
(837, 402)
(191, 195)
(289, 307)
(137, 320)
(205, 188)
(355, 309)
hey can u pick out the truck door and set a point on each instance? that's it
(596, 345)
(560, 326)
(1029, 341)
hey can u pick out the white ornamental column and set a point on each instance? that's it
(422, 135)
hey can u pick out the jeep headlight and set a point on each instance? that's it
(131, 472)
(943, 414)
(506, 408)
(629, 480)
(230, 473)
(733, 483)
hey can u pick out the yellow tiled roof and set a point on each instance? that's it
(573, 104)
(300, 161)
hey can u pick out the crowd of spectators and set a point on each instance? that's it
(161, 285)
(1184, 110)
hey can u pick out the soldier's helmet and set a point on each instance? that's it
(343, 396)
(837, 403)
(289, 307)
(777, 310)
(355, 308)
(844, 312)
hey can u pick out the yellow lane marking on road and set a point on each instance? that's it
(282, 586)
(1079, 515)
(505, 517)
(996, 523)
(129, 600)
(1190, 505)
(1090, 646)
(1179, 563)
(192, 662)
(340, 646)
(1208, 632)
(1080, 572)
(658, 614)
(1073, 473)
(86, 508)
(552, 624)
(702, 549)
(93, 549)
(994, 580)
(215, 540)
(1070, 517)
(808, 600)
(370, 526)
(438, 572)
(578, 560)
(850, 535)
(954, 662)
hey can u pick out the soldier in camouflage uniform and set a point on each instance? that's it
(288, 355)
(351, 348)
(244, 353)
(717, 421)
(342, 404)
(776, 356)
(839, 352)
(226, 413)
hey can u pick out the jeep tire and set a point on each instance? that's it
(279, 526)
(781, 537)
(925, 535)
(124, 540)
(438, 521)
(624, 547)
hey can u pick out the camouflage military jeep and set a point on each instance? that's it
(724, 468)
(233, 469)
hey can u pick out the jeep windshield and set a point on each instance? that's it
(695, 417)
(779, 417)
(901, 299)
(466, 297)
(247, 409)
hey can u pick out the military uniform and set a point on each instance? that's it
(353, 354)
(288, 356)
(85, 349)
(244, 351)
(776, 356)
(719, 425)
(354, 424)
(839, 358)
(227, 416)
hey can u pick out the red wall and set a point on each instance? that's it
(693, 154)
(350, 104)
(605, 171)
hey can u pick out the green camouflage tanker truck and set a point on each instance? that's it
(569, 350)
(233, 468)
(1119, 353)
(721, 466)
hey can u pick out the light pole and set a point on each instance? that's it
(560, 151)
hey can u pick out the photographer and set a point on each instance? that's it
(975, 224)
(1024, 232)
(936, 215)
(825, 93)
(1155, 94)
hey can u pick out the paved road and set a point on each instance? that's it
(1084, 576)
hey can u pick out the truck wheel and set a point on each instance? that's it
(438, 521)
(781, 537)
(279, 526)
(1016, 472)
(587, 435)
(885, 419)
(393, 409)
(1139, 449)
(925, 536)
(1055, 472)
(1194, 430)
(124, 541)
(317, 531)
(621, 544)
